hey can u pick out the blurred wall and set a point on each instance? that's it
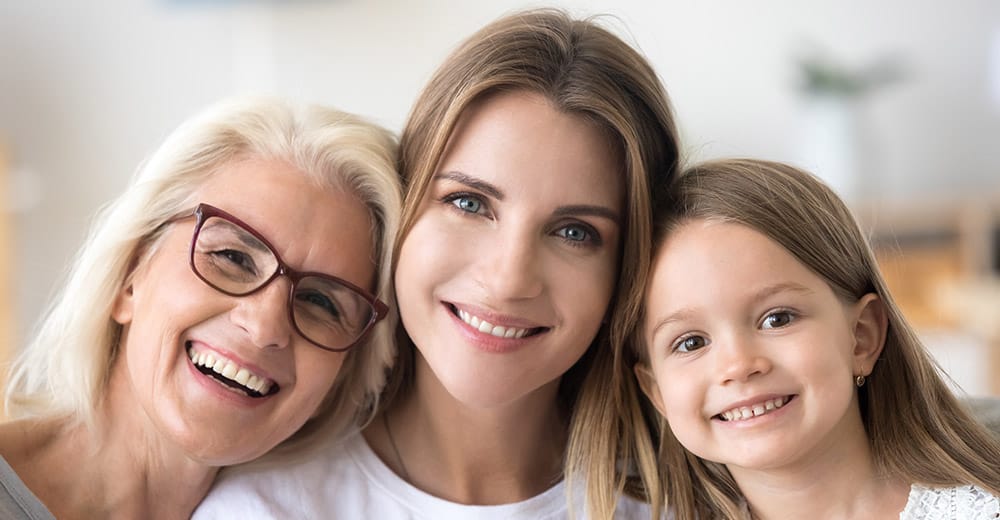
(88, 92)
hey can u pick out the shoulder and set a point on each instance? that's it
(965, 501)
(348, 480)
(987, 410)
(629, 508)
(16, 500)
(275, 487)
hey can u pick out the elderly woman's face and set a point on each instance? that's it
(226, 378)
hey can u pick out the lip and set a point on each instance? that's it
(790, 399)
(488, 342)
(218, 388)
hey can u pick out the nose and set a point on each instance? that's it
(740, 360)
(512, 266)
(264, 315)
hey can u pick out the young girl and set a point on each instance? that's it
(790, 383)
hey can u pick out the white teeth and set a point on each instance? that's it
(491, 329)
(231, 370)
(242, 376)
(749, 412)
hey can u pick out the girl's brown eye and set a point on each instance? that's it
(691, 343)
(777, 320)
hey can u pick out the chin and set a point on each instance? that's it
(479, 394)
(215, 446)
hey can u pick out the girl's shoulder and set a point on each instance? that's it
(967, 501)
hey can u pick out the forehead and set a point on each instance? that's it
(713, 264)
(311, 227)
(522, 138)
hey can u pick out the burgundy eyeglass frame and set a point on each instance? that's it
(205, 211)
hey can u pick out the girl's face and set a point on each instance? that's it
(753, 355)
(170, 315)
(505, 277)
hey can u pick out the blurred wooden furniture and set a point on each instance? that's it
(941, 259)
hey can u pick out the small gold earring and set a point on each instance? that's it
(860, 381)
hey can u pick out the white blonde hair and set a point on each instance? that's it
(65, 369)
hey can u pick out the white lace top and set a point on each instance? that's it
(961, 502)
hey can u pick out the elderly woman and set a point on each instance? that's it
(224, 305)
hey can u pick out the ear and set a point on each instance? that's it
(122, 309)
(870, 327)
(124, 306)
(649, 386)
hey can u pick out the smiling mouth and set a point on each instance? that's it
(495, 330)
(742, 413)
(231, 374)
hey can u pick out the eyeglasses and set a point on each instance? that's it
(234, 259)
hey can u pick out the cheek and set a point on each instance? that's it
(679, 393)
(316, 371)
(588, 285)
(432, 252)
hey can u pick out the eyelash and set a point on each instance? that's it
(452, 198)
(792, 316)
(592, 239)
(676, 345)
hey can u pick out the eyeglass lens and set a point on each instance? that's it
(234, 261)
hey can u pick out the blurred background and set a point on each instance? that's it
(896, 103)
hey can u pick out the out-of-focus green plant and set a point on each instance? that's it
(821, 75)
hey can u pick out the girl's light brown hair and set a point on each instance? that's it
(585, 70)
(916, 426)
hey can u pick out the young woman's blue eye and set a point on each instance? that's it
(467, 204)
(579, 235)
(574, 233)
(776, 320)
(690, 343)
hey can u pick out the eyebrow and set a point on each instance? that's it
(781, 287)
(562, 211)
(471, 182)
(242, 234)
(763, 293)
(588, 210)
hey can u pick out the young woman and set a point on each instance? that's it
(530, 161)
(219, 307)
(790, 383)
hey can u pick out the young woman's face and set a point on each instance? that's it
(170, 315)
(752, 354)
(505, 277)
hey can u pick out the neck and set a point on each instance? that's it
(119, 469)
(840, 481)
(468, 454)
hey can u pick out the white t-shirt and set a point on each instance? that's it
(350, 481)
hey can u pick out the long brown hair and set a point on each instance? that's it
(582, 69)
(915, 425)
